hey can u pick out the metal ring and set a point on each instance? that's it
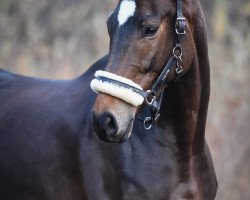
(177, 55)
(147, 120)
(149, 92)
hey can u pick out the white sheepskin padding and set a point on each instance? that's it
(127, 95)
(101, 73)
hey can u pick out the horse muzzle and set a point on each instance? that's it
(112, 119)
(107, 130)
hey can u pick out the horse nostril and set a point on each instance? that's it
(110, 124)
(105, 125)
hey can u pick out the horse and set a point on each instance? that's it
(142, 136)
(158, 59)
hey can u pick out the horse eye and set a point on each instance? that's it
(151, 31)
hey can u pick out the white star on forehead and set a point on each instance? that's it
(127, 10)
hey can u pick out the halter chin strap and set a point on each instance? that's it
(132, 93)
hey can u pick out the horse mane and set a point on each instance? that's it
(200, 39)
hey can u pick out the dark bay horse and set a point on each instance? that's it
(48, 147)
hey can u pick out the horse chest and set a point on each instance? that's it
(131, 171)
(148, 176)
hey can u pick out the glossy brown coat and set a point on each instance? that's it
(49, 151)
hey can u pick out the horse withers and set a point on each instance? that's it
(150, 115)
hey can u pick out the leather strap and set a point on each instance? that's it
(180, 22)
(179, 9)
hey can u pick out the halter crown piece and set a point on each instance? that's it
(132, 93)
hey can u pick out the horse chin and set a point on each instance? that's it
(127, 133)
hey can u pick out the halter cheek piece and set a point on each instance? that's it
(132, 93)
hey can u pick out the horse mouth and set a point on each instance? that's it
(127, 132)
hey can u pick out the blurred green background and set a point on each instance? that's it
(60, 39)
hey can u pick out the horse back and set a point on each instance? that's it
(39, 144)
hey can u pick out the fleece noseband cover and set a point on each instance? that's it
(126, 94)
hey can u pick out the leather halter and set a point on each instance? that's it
(157, 90)
(153, 97)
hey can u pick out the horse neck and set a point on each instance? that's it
(184, 106)
(185, 103)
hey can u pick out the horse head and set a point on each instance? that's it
(145, 37)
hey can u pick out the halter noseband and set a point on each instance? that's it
(132, 93)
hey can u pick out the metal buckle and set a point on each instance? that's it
(152, 98)
(178, 20)
(181, 19)
(180, 33)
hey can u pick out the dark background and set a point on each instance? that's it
(62, 38)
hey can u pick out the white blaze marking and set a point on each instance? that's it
(127, 10)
